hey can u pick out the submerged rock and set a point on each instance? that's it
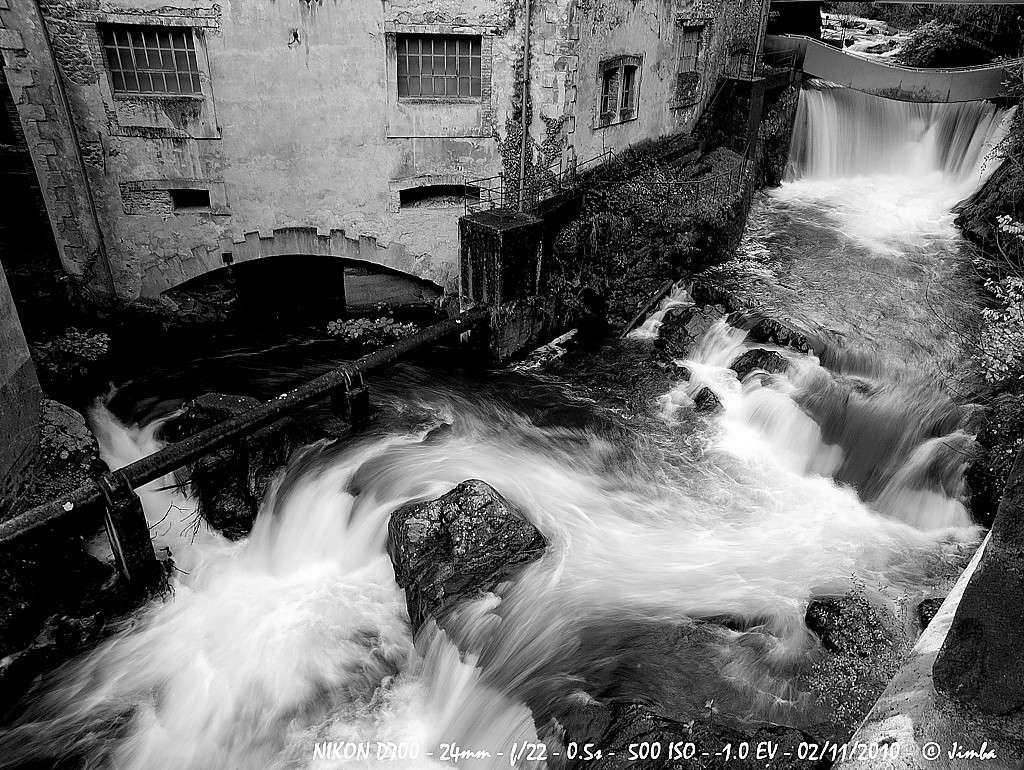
(777, 331)
(683, 326)
(770, 361)
(706, 402)
(458, 546)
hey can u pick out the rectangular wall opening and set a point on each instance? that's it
(190, 199)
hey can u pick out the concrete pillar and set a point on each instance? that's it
(500, 252)
(19, 399)
(501, 268)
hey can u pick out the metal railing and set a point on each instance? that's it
(805, 41)
(546, 182)
(747, 66)
(113, 497)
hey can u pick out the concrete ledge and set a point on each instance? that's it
(911, 713)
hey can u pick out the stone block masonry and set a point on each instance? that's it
(19, 400)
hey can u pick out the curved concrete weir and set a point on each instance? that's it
(908, 84)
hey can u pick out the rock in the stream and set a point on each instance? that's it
(770, 361)
(706, 402)
(863, 647)
(683, 326)
(230, 484)
(980, 662)
(614, 728)
(783, 332)
(926, 610)
(457, 546)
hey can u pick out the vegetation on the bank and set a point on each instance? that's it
(632, 234)
(70, 353)
(68, 456)
(995, 27)
(370, 331)
(862, 651)
(933, 44)
(1000, 263)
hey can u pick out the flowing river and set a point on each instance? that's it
(720, 529)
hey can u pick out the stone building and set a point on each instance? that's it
(173, 137)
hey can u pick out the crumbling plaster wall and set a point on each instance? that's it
(572, 38)
(296, 127)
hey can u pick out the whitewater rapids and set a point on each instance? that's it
(299, 634)
(806, 484)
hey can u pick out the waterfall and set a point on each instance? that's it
(887, 174)
(842, 133)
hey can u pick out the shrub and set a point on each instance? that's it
(933, 44)
(1001, 352)
(367, 331)
(71, 354)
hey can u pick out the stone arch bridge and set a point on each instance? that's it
(374, 271)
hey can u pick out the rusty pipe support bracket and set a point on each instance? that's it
(128, 531)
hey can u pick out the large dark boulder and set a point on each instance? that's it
(759, 359)
(458, 546)
(980, 662)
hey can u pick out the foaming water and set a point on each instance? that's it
(679, 296)
(299, 633)
(888, 172)
(898, 444)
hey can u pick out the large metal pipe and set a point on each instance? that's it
(179, 454)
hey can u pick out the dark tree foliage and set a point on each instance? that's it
(933, 44)
(984, 31)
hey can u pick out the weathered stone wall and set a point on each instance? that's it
(298, 124)
(31, 78)
(572, 39)
(296, 127)
(19, 400)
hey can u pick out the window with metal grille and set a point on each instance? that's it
(438, 66)
(689, 48)
(151, 60)
(619, 85)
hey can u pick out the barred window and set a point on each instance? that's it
(689, 48)
(151, 60)
(438, 66)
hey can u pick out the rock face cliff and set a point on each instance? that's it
(458, 546)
